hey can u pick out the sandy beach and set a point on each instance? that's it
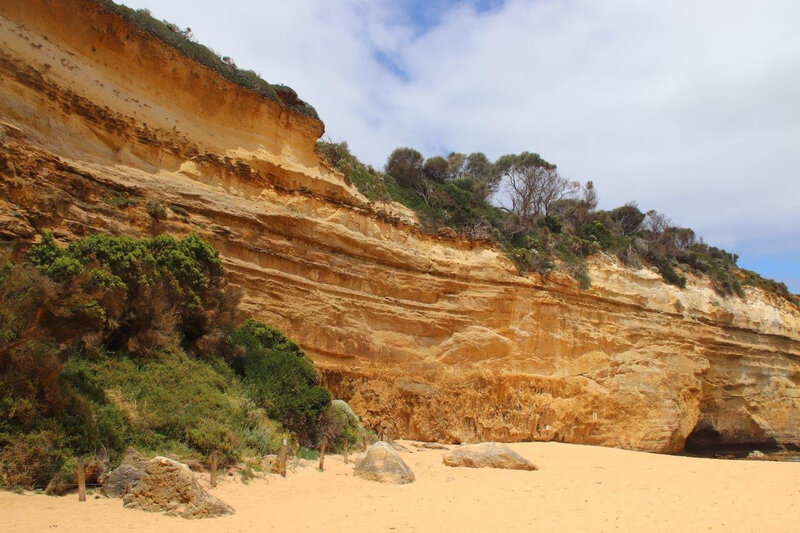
(578, 488)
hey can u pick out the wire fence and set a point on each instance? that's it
(50, 471)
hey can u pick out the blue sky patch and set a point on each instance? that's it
(426, 14)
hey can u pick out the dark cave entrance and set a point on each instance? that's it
(705, 441)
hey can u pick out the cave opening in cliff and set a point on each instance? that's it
(706, 441)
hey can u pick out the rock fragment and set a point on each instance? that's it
(487, 455)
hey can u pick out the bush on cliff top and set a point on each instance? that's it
(454, 195)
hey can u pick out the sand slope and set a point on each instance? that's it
(579, 488)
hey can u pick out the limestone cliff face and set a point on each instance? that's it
(431, 338)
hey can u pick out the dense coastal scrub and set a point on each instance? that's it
(113, 342)
(544, 221)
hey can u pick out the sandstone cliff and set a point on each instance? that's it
(431, 338)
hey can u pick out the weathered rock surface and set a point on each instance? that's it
(487, 455)
(122, 479)
(382, 463)
(170, 487)
(435, 336)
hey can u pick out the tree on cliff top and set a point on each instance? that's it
(406, 166)
(533, 184)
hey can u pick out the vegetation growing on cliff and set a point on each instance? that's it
(113, 342)
(545, 220)
(182, 41)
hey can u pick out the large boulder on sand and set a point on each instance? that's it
(169, 486)
(382, 463)
(487, 454)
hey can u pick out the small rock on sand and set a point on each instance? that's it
(487, 454)
(382, 463)
(431, 446)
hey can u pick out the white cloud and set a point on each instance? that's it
(688, 107)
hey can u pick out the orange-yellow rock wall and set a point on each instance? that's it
(428, 337)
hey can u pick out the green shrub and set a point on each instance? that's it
(123, 201)
(405, 166)
(31, 460)
(369, 182)
(261, 435)
(340, 424)
(138, 293)
(572, 253)
(156, 210)
(69, 385)
(628, 218)
(169, 402)
(670, 275)
(178, 210)
(278, 376)
(553, 223)
(308, 454)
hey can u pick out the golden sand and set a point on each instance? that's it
(578, 488)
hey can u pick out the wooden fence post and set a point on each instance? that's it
(380, 437)
(282, 459)
(345, 451)
(365, 442)
(322, 453)
(213, 465)
(81, 481)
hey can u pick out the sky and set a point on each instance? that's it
(691, 108)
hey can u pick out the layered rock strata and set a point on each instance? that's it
(431, 338)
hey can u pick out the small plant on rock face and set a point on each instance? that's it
(157, 213)
(123, 201)
(180, 211)
(156, 210)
